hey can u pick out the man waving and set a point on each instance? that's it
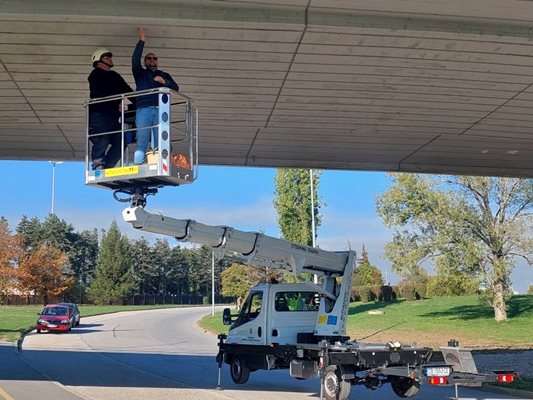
(147, 77)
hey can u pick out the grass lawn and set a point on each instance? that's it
(16, 319)
(432, 322)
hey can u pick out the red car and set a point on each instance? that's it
(55, 317)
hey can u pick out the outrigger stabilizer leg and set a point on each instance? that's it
(220, 359)
(137, 195)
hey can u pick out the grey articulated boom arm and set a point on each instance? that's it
(247, 247)
(258, 249)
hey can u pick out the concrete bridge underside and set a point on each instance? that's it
(413, 85)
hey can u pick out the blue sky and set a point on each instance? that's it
(235, 196)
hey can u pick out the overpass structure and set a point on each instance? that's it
(413, 85)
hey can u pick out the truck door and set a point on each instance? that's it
(250, 325)
(293, 312)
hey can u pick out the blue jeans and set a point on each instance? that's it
(145, 117)
(105, 151)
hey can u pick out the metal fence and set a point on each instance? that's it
(24, 300)
(136, 300)
(150, 299)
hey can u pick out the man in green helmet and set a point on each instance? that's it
(104, 117)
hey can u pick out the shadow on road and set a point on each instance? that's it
(155, 370)
(139, 370)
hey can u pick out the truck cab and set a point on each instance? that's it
(274, 313)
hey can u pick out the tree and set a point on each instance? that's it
(113, 280)
(199, 260)
(144, 267)
(30, 230)
(11, 251)
(81, 248)
(236, 281)
(164, 261)
(41, 272)
(366, 273)
(180, 278)
(83, 254)
(475, 226)
(293, 204)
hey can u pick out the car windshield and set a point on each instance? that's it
(55, 311)
(70, 307)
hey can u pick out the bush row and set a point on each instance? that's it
(407, 291)
(368, 293)
(436, 286)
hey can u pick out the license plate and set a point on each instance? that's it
(52, 325)
(437, 371)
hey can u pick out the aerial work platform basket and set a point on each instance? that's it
(173, 162)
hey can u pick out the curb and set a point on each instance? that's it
(22, 335)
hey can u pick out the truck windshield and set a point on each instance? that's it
(250, 309)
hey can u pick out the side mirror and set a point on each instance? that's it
(226, 316)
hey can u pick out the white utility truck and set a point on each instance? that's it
(300, 326)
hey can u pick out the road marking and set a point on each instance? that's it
(4, 395)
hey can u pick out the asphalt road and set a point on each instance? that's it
(154, 354)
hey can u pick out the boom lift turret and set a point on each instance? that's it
(300, 326)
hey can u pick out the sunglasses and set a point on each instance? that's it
(151, 58)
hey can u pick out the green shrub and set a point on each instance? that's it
(386, 292)
(530, 289)
(420, 291)
(407, 291)
(377, 292)
(355, 295)
(206, 300)
(452, 285)
(412, 291)
(366, 294)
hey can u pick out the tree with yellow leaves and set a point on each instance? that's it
(41, 272)
(10, 253)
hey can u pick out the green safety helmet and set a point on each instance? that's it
(98, 53)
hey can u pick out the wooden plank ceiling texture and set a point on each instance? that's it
(413, 85)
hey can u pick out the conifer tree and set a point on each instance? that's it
(113, 280)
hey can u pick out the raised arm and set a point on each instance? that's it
(136, 66)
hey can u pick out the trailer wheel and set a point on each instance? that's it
(239, 371)
(405, 387)
(335, 388)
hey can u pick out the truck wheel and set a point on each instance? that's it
(405, 387)
(335, 388)
(239, 371)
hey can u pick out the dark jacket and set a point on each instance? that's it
(144, 78)
(104, 83)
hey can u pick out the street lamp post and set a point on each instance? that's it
(212, 283)
(54, 163)
(313, 229)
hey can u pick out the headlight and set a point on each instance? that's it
(41, 321)
(64, 321)
(437, 371)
